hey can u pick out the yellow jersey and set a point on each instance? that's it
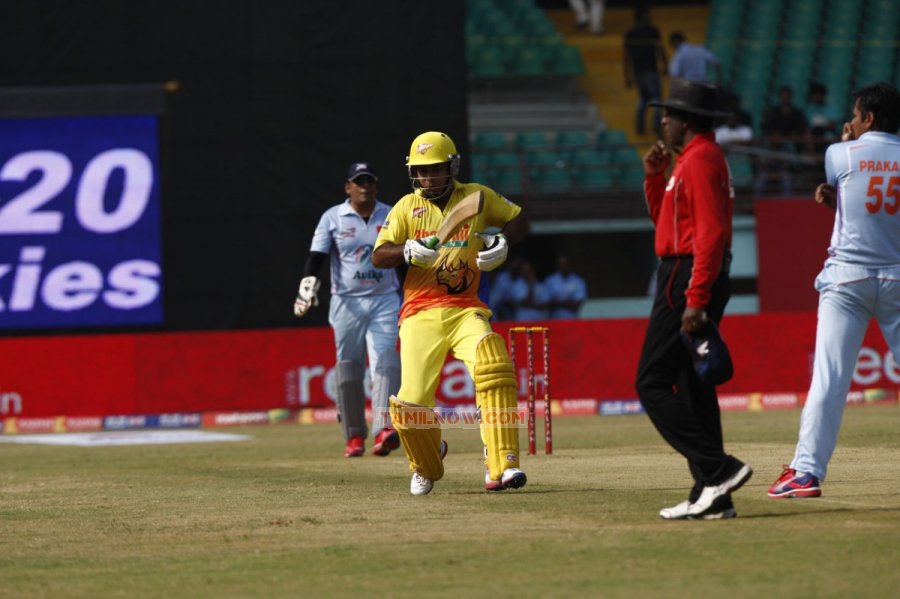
(454, 279)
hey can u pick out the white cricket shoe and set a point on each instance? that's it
(418, 484)
(680, 512)
(512, 478)
(706, 503)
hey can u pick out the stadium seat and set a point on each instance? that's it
(594, 179)
(527, 62)
(612, 137)
(552, 180)
(491, 140)
(632, 178)
(531, 140)
(547, 159)
(568, 62)
(506, 161)
(488, 62)
(480, 160)
(590, 157)
(508, 182)
(572, 138)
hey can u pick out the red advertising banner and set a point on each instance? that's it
(256, 371)
(792, 238)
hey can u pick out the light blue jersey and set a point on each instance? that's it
(860, 281)
(866, 174)
(346, 237)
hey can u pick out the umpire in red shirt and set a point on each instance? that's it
(691, 211)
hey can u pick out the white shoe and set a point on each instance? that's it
(706, 502)
(512, 478)
(418, 484)
(680, 512)
(676, 512)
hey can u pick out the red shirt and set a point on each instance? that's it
(692, 212)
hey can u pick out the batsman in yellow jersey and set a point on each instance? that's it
(442, 312)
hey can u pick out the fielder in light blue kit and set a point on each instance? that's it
(365, 303)
(861, 278)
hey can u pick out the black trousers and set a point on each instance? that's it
(683, 409)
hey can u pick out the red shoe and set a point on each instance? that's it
(791, 484)
(356, 446)
(386, 441)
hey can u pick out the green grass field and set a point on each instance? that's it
(285, 515)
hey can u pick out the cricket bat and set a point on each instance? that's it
(469, 206)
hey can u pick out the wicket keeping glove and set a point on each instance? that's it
(306, 296)
(494, 253)
(417, 253)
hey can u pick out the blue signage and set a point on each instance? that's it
(80, 242)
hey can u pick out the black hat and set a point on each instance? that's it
(696, 97)
(712, 361)
(360, 168)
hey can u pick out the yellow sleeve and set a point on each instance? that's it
(396, 226)
(497, 209)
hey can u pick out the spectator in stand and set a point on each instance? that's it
(733, 132)
(529, 295)
(823, 118)
(588, 13)
(785, 128)
(645, 62)
(501, 298)
(565, 289)
(690, 61)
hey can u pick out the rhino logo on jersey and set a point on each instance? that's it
(456, 277)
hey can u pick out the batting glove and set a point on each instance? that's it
(306, 296)
(494, 253)
(417, 253)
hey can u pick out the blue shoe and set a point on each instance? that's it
(794, 484)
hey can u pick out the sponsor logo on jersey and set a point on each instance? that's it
(423, 148)
(423, 233)
(419, 212)
(370, 275)
(346, 233)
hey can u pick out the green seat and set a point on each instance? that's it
(626, 157)
(547, 159)
(490, 140)
(590, 157)
(531, 140)
(552, 180)
(568, 62)
(488, 62)
(480, 160)
(572, 138)
(507, 182)
(506, 160)
(527, 62)
(594, 179)
(612, 137)
(632, 178)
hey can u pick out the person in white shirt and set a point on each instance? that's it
(860, 280)
(566, 290)
(364, 308)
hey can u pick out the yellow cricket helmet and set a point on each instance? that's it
(432, 147)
